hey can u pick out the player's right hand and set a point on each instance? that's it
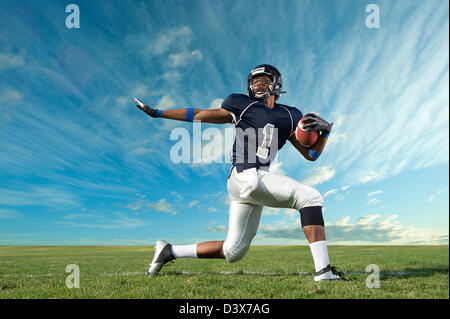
(144, 107)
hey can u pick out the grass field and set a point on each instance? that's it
(265, 272)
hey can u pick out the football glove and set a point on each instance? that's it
(147, 109)
(313, 122)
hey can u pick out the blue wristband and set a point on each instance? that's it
(325, 135)
(314, 154)
(190, 114)
(159, 113)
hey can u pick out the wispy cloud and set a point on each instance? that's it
(330, 192)
(216, 103)
(166, 102)
(172, 39)
(192, 204)
(383, 77)
(8, 94)
(373, 201)
(163, 206)
(369, 177)
(319, 175)
(434, 196)
(275, 168)
(9, 60)
(216, 229)
(184, 58)
(374, 193)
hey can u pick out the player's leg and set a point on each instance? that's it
(284, 192)
(243, 224)
(242, 227)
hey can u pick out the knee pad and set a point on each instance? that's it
(233, 252)
(311, 216)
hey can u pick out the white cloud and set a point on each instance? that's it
(369, 177)
(163, 206)
(216, 104)
(268, 211)
(377, 138)
(374, 193)
(365, 220)
(178, 197)
(433, 196)
(342, 221)
(275, 168)
(368, 229)
(8, 61)
(319, 175)
(166, 102)
(184, 58)
(10, 95)
(373, 201)
(171, 39)
(192, 204)
(216, 229)
(330, 192)
(172, 75)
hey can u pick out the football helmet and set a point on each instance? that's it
(274, 86)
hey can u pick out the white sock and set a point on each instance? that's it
(319, 251)
(184, 251)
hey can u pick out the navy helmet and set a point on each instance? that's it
(274, 87)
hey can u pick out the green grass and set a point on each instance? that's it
(265, 272)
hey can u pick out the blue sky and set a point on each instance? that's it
(79, 164)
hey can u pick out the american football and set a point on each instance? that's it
(305, 138)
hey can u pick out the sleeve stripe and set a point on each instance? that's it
(240, 116)
(292, 121)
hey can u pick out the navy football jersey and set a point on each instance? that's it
(260, 130)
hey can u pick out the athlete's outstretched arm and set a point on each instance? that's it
(217, 116)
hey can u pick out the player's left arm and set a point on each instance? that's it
(305, 151)
(313, 122)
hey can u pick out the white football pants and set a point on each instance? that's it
(249, 191)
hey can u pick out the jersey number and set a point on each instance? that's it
(263, 149)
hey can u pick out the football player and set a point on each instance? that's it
(262, 128)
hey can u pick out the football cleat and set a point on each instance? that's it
(163, 254)
(330, 273)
